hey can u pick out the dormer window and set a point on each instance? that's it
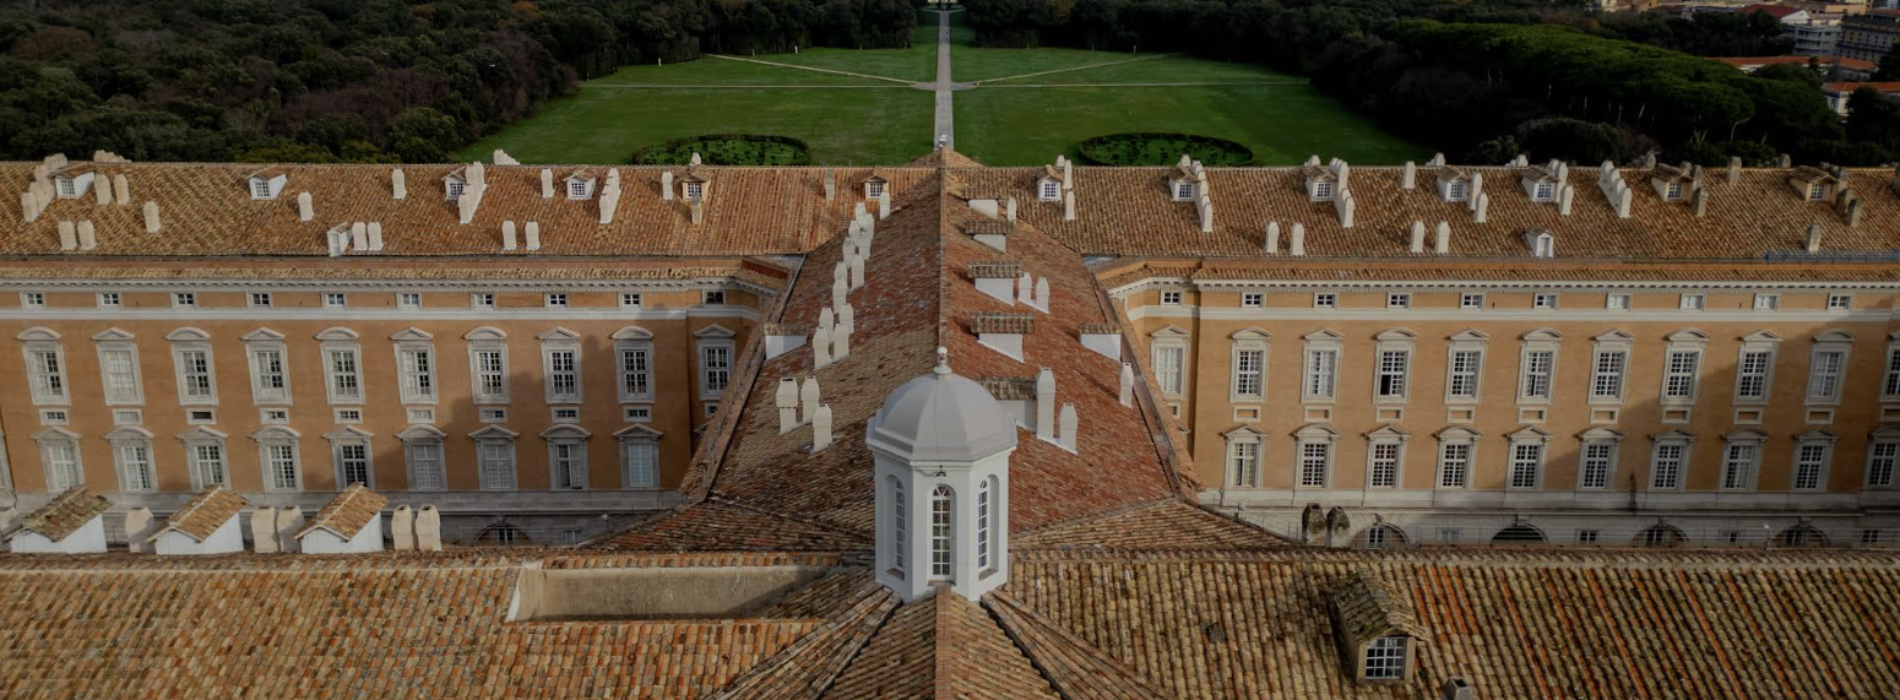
(67, 188)
(1542, 244)
(1385, 658)
(260, 188)
(1049, 191)
(1817, 192)
(1323, 191)
(1457, 191)
(578, 189)
(266, 184)
(1183, 190)
(1543, 192)
(453, 187)
(1673, 192)
(874, 189)
(693, 190)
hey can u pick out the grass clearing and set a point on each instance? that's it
(1283, 124)
(718, 71)
(969, 63)
(1155, 69)
(917, 64)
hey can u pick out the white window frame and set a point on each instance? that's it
(575, 440)
(186, 342)
(184, 300)
(1319, 376)
(580, 188)
(346, 439)
(59, 474)
(1614, 344)
(49, 387)
(1676, 473)
(1048, 190)
(1325, 300)
(1387, 658)
(1534, 343)
(481, 300)
(409, 301)
(1474, 344)
(553, 344)
(632, 300)
(1825, 388)
(1399, 344)
(1398, 300)
(1744, 476)
(1890, 375)
(555, 300)
(1170, 374)
(33, 300)
(1609, 443)
(1814, 442)
(124, 441)
(257, 343)
(1249, 354)
(1544, 300)
(1767, 302)
(1538, 443)
(1687, 342)
(713, 297)
(708, 345)
(1313, 448)
(258, 300)
(1840, 302)
(481, 341)
(416, 441)
(1392, 439)
(336, 300)
(1692, 302)
(111, 342)
(1253, 300)
(495, 447)
(1758, 343)
(633, 385)
(1616, 302)
(279, 437)
(1471, 301)
(195, 442)
(1466, 438)
(1182, 190)
(1171, 297)
(336, 342)
(1244, 450)
(109, 300)
(416, 363)
(1883, 459)
(636, 441)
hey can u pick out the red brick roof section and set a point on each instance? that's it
(941, 646)
(1077, 669)
(806, 668)
(348, 513)
(66, 513)
(206, 512)
(716, 525)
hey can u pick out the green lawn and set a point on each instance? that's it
(970, 63)
(1283, 124)
(1144, 69)
(717, 71)
(916, 64)
(605, 125)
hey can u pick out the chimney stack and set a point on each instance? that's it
(831, 186)
(1410, 180)
(1814, 238)
(1418, 237)
(1477, 191)
(1068, 206)
(1042, 295)
(1481, 207)
(151, 217)
(305, 210)
(402, 529)
(263, 530)
(1046, 405)
(1853, 218)
(847, 319)
(884, 204)
(808, 398)
(839, 290)
(533, 231)
(787, 402)
(1784, 161)
(398, 185)
(1065, 438)
(857, 270)
(821, 347)
(289, 522)
(1009, 209)
(508, 235)
(666, 186)
(375, 236)
(102, 190)
(840, 343)
(359, 236)
(68, 238)
(1127, 395)
(1565, 196)
(138, 530)
(1297, 246)
(1700, 202)
(1442, 244)
(501, 157)
(1345, 205)
(547, 183)
(699, 212)
(827, 318)
(821, 427)
(1273, 238)
(88, 239)
(429, 530)
(1457, 689)
(610, 200)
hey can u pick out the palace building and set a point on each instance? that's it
(963, 432)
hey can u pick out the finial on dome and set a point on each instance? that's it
(943, 363)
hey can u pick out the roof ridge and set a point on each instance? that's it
(1093, 675)
(855, 624)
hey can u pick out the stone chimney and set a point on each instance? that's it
(289, 521)
(857, 270)
(533, 231)
(1566, 195)
(1066, 424)
(139, 525)
(398, 185)
(884, 204)
(547, 183)
(1127, 393)
(840, 343)
(89, 239)
(151, 217)
(121, 190)
(402, 529)
(1418, 237)
(699, 212)
(508, 235)
(1297, 246)
(781, 338)
(1441, 244)
(1700, 202)
(264, 530)
(821, 347)
(68, 237)
(1853, 217)
(1457, 689)
(102, 190)
(501, 157)
(376, 236)
(1814, 238)
(1009, 209)
(1344, 205)
(787, 402)
(1273, 238)
(429, 530)
(1410, 179)
(821, 427)
(610, 201)
(1481, 205)
(1046, 405)
(1068, 206)
(831, 186)
(1206, 207)
(305, 209)
(847, 319)
(808, 398)
(359, 236)
(666, 187)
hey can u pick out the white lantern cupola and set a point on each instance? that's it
(941, 444)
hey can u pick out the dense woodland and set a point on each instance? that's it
(1488, 79)
(355, 80)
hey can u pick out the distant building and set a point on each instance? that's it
(1869, 36)
(1837, 68)
(1839, 93)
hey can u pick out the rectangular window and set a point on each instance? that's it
(425, 466)
(184, 300)
(268, 382)
(120, 369)
(566, 414)
(345, 382)
(1665, 466)
(1840, 302)
(498, 464)
(556, 300)
(260, 300)
(1322, 373)
(1881, 460)
(202, 416)
(1543, 301)
(1325, 301)
(1168, 360)
(1463, 380)
(1617, 302)
(1384, 473)
(207, 464)
(349, 415)
(636, 414)
(1471, 301)
(714, 297)
(1824, 380)
(563, 375)
(1589, 536)
(482, 300)
(33, 300)
(335, 300)
(53, 417)
(273, 416)
(1537, 366)
(1526, 459)
(569, 460)
(1890, 385)
(135, 466)
(636, 373)
(1691, 302)
(491, 376)
(110, 300)
(1680, 375)
(1247, 372)
(493, 415)
(1767, 302)
(1606, 381)
(637, 463)
(1543, 192)
(1050, 190)
(417, 369)
(1810, 465)
(194, 376)
(128, 416)
(1244, 463)
(408, 301)
(577, 189)
(1252, 300)
(1738, 465)
(1751, 375)
(1170, 298)
(280, 461)
(1599, 460)
(62, 465)
(715, 364)
(1398, 300)
(630, 300)
(1315, 458)
(420, 415)
(1392, 373)
(1385, 658)
(352, 464)
(45, 375)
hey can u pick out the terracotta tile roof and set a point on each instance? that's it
(996, 270)
(719, 525)
(66, 513)
(1000, 322)
(1364, 608)
(805, 669)
(1099, 329)
(286, 272)
(1010, 388)
(1322, 272)
(1888, 87)
(348, 513)
(205, 513)
(941, 646)
(1167, 524)
(1075, 668)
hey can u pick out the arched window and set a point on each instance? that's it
(1801, 536)
(899, 527)
(1662, 536)
(1518, 534)
(940, 533)
(1382, 536)
(983, 526)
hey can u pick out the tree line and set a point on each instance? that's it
(1487, 79)
(356, 80)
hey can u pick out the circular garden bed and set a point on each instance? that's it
(1152, 148)
(727, 149)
